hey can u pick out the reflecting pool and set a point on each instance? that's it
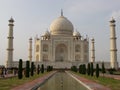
(61, 81)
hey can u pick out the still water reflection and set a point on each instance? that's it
(62, 81)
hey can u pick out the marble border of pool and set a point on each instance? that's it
(79, 81)
(33, 85)
(41, 83)
(89, 84)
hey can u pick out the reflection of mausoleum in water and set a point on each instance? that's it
(61, 46)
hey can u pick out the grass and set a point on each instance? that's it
(109, 82)
(9, 83)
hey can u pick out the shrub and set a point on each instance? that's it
(111, 70)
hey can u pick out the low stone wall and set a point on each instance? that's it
(63, 65)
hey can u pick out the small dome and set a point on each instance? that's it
(61, 26)
(112, 20)
(92, 39)
(30, 38)
(11, 20)
(47, 33)
(76, 33)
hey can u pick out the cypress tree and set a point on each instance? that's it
(74, 68)
(88, 69)
(103, 68)
(92, 69)
(42, 68)
(79, 68)
(32, 68)
(82, 69)
(48, 69)
(27, 68)
(84, 66)
(51, 68)
(20, 69)
(97, 70)
(38, 69)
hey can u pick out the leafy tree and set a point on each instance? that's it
(20, 69)
(88, 69)
(32, 68)
(27, 68)
(97, 70)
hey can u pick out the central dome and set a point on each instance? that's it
(61, 26)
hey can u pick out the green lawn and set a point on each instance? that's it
(109, 82)
(8, 83)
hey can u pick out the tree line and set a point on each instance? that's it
(29, 71)
(89, 70)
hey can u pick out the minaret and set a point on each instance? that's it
(30, 50)
(113, 49)
(10, 44)
(92, 50)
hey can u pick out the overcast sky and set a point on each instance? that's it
(89, 17)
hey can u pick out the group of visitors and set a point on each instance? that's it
(5, 72)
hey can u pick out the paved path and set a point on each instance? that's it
(8, 76)
(91, 85)
(30, 85)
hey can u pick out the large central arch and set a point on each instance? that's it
(61, 53)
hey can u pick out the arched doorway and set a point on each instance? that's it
(61, 53)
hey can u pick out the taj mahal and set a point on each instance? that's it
(62, 46)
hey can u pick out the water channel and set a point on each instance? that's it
(61, 81)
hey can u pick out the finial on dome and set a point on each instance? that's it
(61, 12)
(76, 29)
